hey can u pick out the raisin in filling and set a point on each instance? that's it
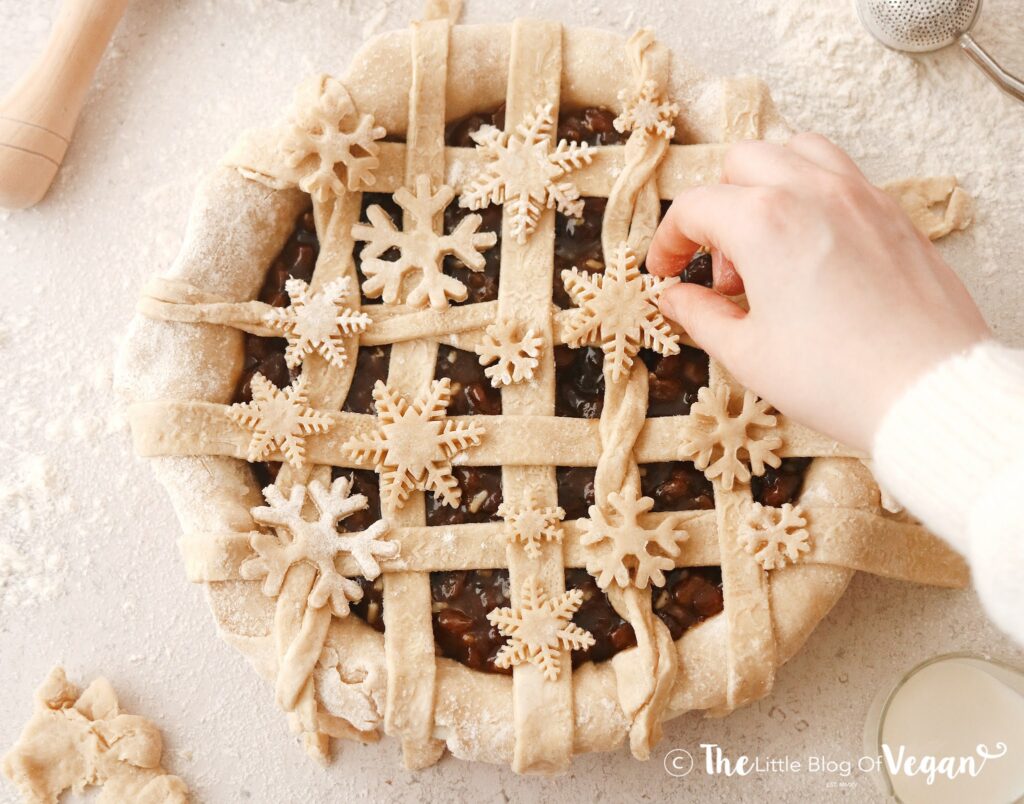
(676, 486)
(471, 391)
(461, 600)
(371, 367)
(776, 487)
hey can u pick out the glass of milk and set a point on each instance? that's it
(950, 730)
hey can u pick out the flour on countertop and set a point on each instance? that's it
(900, 115)
(32, 570)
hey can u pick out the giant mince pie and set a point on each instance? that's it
(442, 466)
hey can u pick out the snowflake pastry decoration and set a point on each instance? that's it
(413, 445)
(644, 110)
(279, 418)
(531, 524)
(317, 321)
(513, 352)
(328, 142)
(619, 310)
(420, 248)
(539, 628)
(316, 542)
(523, 172)
(775, 536)
(627, 558)
(719, 441)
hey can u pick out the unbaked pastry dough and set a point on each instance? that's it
(78, 739)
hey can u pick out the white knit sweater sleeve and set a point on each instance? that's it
(952, 451)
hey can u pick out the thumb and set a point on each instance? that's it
(712, 320)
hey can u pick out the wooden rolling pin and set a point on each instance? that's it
(38, 116)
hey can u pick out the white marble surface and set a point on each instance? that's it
(182, 78)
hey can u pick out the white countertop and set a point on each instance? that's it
(87, 537)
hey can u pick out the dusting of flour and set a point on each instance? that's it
(901, 115)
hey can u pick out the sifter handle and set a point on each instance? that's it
(1010, 84)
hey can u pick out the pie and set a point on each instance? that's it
(444, 469)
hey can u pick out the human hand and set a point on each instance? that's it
(849, 303)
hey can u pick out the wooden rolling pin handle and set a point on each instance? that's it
(38, 116)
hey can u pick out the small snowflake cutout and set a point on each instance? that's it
(513, 352)
(645, 111)
(279, 418)
(420, 248)
(721, 444)
(413, 445)
(317, 321)
(531, 525)
(539, 628)
(626, 557)
(619, 310)
(775, 536)
(328, 142)
(523, 172)
(316, 542)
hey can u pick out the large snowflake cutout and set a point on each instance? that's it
(317, 321)
(531, 524)
(775, 536)
(619, 310)
(627, 558)
(328, 142)
(513, 352)
(413, 445)
(279, 418)
(420, 248)
(721, 444)
(316, 542)
(644, 110)
(539, 629)
(522, 171)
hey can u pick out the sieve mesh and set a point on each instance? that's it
(918, 25)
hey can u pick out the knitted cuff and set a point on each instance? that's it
(944, 442)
